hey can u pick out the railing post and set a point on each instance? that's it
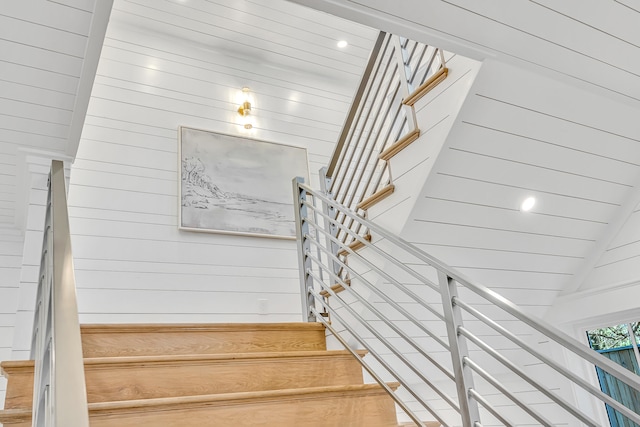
(458, 345)
(304, 262)
(332, 228)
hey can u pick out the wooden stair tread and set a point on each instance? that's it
(399, 145)
(225, 398)
(12, 366)
(237, 407)
(255, 375)
(376, 197)
(427, 86)
(337, 288)
(145, 377)
(183, 327)
(355, 245)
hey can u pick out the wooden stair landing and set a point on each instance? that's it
(233, 375)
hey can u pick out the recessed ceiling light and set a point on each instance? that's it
(528, 203)
(342, 44)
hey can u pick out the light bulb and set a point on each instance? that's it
(528, 203)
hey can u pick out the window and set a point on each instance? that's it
(620, 344)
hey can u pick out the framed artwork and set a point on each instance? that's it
(235, 185)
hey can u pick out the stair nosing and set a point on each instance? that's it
(16, 366)
(227, 398)
(376, 197)
(196, 327)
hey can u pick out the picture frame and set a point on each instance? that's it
(237, 185)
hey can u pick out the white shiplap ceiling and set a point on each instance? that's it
(276, 33)
(592, 43)
(593, 46)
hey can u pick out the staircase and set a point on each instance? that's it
(213, 375)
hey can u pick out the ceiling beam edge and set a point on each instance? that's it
(97, 32)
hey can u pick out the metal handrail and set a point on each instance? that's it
(60, 396)
(378, 117)
(538, 324)
(465, 366)
(366, 76)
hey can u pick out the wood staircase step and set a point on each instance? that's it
(355, 245)
(376, 197)
(214, 375)
(146, 377)
(427, 86)
(165, 339)
(364, 405)
(337, 288)
(399, 145)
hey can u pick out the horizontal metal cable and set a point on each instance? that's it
(395, 305)
(520, 373)
(385, 320)
(500, 387)
(363, 106)
(381, 338)
(364, 81)
(379, 358)
(540, 325)
(391, 281)
(367, 368)
(489, 407)
(549, 362)
(359, 238)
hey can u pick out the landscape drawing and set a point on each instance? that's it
(237, 185)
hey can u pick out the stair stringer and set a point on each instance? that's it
(436, 114)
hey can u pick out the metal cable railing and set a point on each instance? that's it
(458, 349)
(59, 394)
(378, 118)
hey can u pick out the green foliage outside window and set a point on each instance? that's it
(612, 336)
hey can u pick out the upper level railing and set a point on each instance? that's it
(381, 115)
(456, 347)
(59, 393)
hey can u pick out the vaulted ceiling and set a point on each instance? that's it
(592, 46)
(48, 57)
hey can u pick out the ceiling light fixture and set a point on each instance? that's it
(528, 203)
(342, 44)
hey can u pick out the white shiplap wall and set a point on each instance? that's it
(43, 45)
(519, 135)
(132, 263)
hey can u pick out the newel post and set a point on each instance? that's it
(304, 262)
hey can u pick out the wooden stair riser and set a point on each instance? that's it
(364, 406)
(108, 381)
(149, 340)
